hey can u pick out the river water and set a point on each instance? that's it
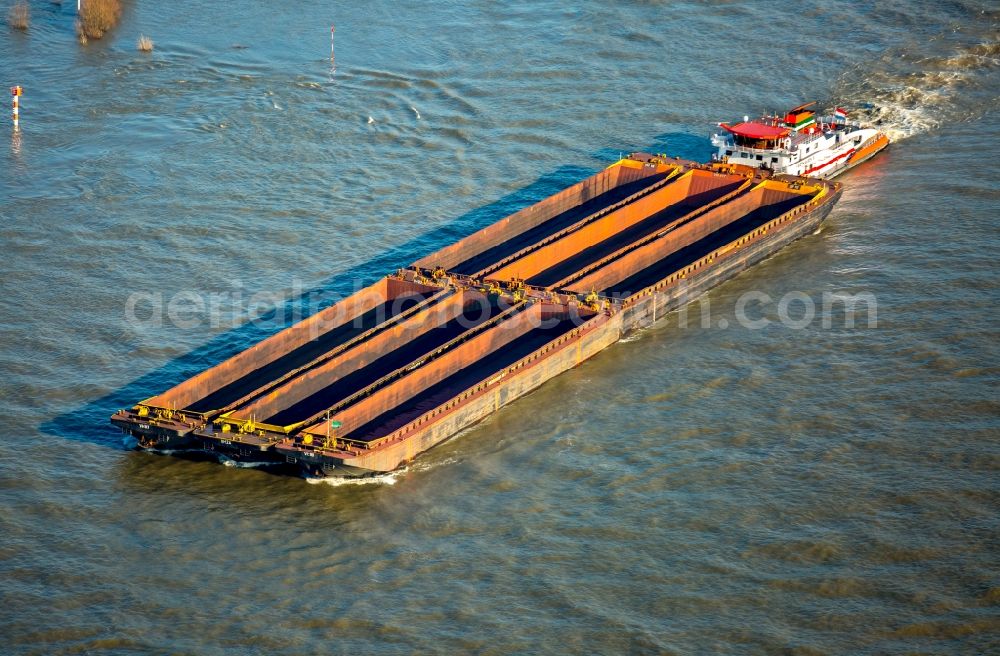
(805, 487)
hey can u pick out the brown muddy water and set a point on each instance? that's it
(797, 487)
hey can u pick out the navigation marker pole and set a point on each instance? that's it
(16, 92)
(333, 59)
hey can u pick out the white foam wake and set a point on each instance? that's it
(906, 93)
(389, 478)
(229, 462)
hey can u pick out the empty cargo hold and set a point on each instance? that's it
(645, 266)
(682, 198)
(601, 191)
(389, 372)
(461, 368)
(310, 394)
(283, 353)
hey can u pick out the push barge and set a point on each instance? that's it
(368, 383)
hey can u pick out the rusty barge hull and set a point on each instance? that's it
(629, 313)
(168, 420)
(436, 347)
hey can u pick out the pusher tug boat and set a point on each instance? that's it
(799, 143)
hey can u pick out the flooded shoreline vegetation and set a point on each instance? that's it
(19, 16)
(97, 17)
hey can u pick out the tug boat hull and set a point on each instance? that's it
(799, 143)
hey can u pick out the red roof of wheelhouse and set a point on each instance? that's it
(756, 130)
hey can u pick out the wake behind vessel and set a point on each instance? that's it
(367, 384)
(799, 143)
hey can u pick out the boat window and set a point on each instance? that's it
(774, 160)
(760, 157)
(729, 152)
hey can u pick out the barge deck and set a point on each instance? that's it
(370, 382)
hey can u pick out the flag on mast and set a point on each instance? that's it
(840, 112)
